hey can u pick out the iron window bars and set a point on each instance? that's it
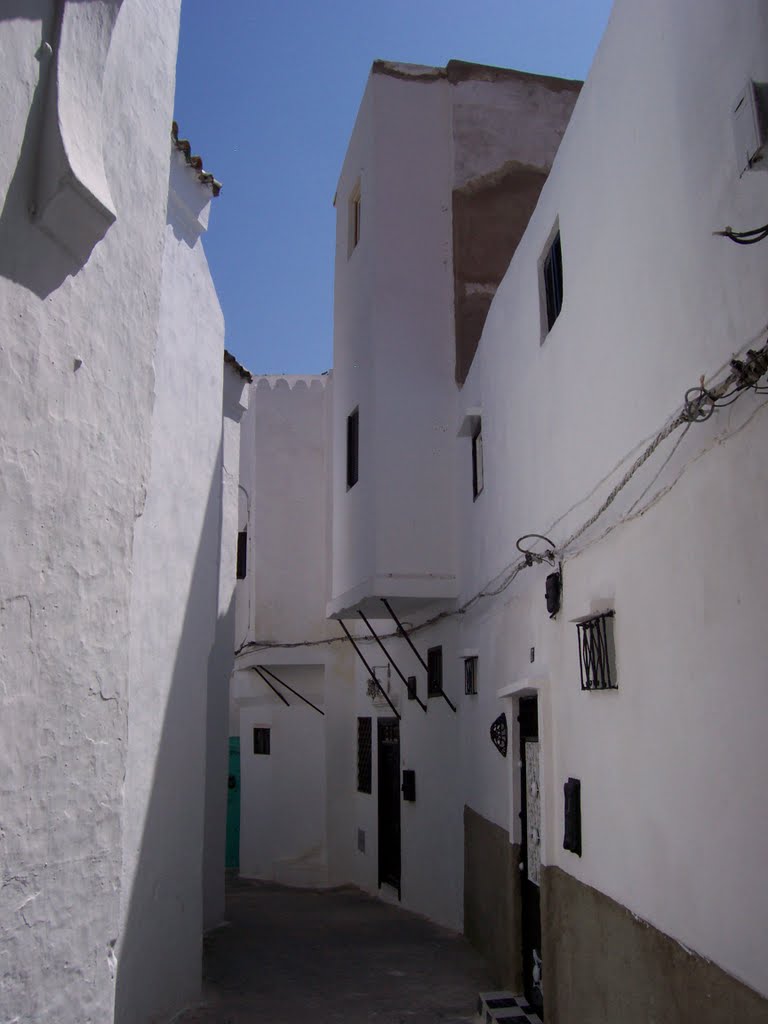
(596, 652)
(434, 671)
(364, 750)
(470, 675)
(552, 272)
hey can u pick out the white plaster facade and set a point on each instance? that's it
(110, 510)
(671, 763)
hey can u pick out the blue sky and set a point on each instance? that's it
(267, 93)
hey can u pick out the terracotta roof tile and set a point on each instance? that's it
(195, 162)
(237, 367)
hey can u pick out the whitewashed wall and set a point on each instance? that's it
(393, 348)
(296, 804)
(672, 763)
(236, 391)
(174, 611)
(76, 393)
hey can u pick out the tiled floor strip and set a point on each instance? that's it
(505, 1008)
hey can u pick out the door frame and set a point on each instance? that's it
(527, 729)
(383, 724)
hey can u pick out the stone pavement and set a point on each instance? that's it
(298, 956)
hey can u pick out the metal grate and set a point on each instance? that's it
(434, 671)
(596, 653)
(470, 675)
(553, 281)
(499, 734)
(364, 748)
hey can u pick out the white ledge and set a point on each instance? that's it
(529, 683)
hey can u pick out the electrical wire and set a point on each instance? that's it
(744, 237)
(743, 377)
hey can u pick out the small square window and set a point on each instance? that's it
(470, 675)
(354, 215)
(552, 279)
(353, 446)
(261, 741)
(242, 554)
(434, 671)
(478, 478)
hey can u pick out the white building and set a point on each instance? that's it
(567, 420)
(111, 605)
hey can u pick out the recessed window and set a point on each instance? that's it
(242, 554)
(353, 446)
(354, 214)
(261, 741)
(364, 755)
(478, 478)
(597, 653)
(470, 675)
(434, 671)
(552, 280)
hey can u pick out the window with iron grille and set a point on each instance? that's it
(434, 671)
(597, 657)
(470, 675)
(552, 274)
(364, 755)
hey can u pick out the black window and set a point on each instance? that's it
(470, 675)
(261, 741)
(364, 755)
(553, 281)
(353, 443)
(477, 462)
(434, 671)
(242, 554)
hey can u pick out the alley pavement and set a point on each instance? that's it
(298, 956)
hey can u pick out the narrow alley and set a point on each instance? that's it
(332, 957)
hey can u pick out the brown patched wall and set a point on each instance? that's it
(603, 965)
(492, 897)
(490, 215)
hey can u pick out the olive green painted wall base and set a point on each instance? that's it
(492, 898)
(603, 965)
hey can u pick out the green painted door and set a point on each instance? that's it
(233, 804)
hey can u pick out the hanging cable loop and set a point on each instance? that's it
(698, 405)
(536, 556)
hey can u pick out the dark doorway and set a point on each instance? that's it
(530, 803)
(233, 805)
(389, 802)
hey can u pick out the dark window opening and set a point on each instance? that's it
(553, 281)
(355, 222)
(364, 755)
(261, 741)
(242, 554)
(434, 671)
(478, 476)
(353, 444)
(597, 656)
(470, 675)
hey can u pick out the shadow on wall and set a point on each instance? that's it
(159, 963)
(28, 256)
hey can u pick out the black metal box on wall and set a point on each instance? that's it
(572, 837)
(409, 784)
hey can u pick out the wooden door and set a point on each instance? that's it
(233, 805)
(530, 815)
(389, 801)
